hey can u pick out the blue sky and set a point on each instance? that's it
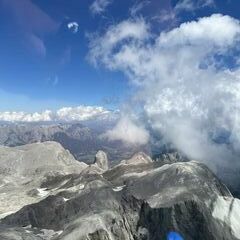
(45, 66)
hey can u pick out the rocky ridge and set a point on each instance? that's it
(137, 199)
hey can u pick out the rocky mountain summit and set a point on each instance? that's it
(46, 194)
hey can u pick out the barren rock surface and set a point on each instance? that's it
(54, 197)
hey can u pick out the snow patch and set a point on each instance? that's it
(119, 188)
(81, 186)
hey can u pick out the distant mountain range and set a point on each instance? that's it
(81, 140)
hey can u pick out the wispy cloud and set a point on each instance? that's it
(138, 6)
(191, 6)
(52, 80)
(166, 16)
(169, 16)
(99, 6)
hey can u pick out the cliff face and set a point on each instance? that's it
(137, 199)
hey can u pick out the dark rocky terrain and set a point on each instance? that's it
(46, 194)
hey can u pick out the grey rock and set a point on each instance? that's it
(137, 199)
(37, 158)
(24, 168)
(171, 157)
(138, 158)
(101, 160)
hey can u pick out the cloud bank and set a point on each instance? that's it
(188, 80)
(67, 114)
(128, 132)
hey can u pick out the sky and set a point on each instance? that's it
(44, 62)
(168, 67)
(44, 65)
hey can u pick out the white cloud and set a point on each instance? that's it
(215, 30)
(128, 132)
(132, 30)
(73, 27)
(68, 114)
(26, 117)
(185, 94)
(81, 113)
(99, 6)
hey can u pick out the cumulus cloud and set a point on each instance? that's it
(67, 114)
(99, 6)
(103, 46)
(81, 113)
(188, 93)
(128, 132)
(26, 117)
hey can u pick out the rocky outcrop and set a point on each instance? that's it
(99, 166)
(137, 199)
(138, 158)
(37, 159)
(23, 170)
(171, 157)
(101, 160)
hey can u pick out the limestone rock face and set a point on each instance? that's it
(23, 169)
(101, 160)
(136, 200)
(37, 159)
